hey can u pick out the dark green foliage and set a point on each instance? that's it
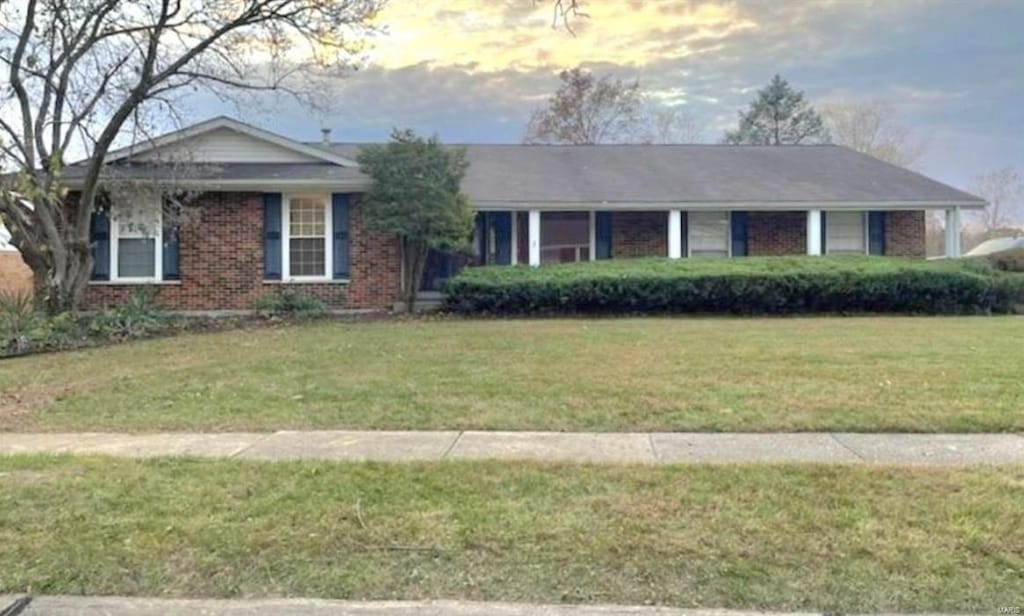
(779, 116)
(771, 285)
(415, 195)
(290, 302)
(24, 329)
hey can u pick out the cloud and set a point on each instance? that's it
(472, 70)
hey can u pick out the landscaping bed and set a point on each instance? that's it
(815, 539)
(767, 285)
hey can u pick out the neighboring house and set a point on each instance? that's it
(15, 276)
(276, 212)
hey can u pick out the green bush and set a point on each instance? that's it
(23, 329)
(290, 302)
(771, 285)
(135, 318)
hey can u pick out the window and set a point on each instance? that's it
(845, 233)
(308, 250)
(708, 234)
(136, 243)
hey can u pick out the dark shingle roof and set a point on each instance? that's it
(689, 174)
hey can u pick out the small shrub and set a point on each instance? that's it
(773, 285)
(17, 311)
(291, 303)
(136, 318)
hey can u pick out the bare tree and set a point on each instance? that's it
(84, 73)
(586, 109)
(671, 124)
(1004, 191)
(868, 128)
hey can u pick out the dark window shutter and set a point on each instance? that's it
(824, 234)
(876, 233)
(171, 252)
(99, 239)
(738, 224)
(272, 236)
(481, 238)
(684, 228)
(502, 222)
(340, 222)
(603, 235)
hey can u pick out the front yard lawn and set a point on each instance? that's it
(725, 374)
(842, 539)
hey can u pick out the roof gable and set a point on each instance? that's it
(224, 140)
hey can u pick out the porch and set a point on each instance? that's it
(540, 236)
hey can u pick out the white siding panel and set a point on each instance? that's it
(225, 146)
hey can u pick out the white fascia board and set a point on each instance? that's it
(269, 185)
(724, 205)
(232, 124)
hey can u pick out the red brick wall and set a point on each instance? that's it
(222, 263)
(639, 234)
(905, 234)
(15, 276)
(776, 233)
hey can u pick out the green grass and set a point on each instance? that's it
(770, 537)
(862, 374)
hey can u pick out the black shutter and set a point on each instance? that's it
(603, 234)
(502, 222)
(824, 235)
(272, 236)
(340, 222)
(684, 228)
(738, 224)
(99, 239)
(876, 233)
(171, 252)
(481, 238)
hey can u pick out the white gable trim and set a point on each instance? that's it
(225, 122)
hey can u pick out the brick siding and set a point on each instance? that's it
(639, 234)
(771, 234)
(15, 276)
(222, 263)
(905, 234)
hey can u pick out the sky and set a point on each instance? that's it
(952, 71)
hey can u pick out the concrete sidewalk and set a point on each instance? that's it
(118, 606)
(655, 447)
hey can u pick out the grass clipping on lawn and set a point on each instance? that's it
(843, 539)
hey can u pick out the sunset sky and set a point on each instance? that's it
(472, 70)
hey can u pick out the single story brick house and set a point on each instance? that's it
(275, 212)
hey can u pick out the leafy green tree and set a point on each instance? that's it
(779, 116)
(415, 195)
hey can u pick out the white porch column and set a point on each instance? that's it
(593, 236)
(814, 232)
(953, 232)
(533, 232)
(675, 234)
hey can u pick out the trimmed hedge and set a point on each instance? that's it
(768, 285)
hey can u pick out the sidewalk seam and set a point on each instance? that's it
(246, 448)
(835, 437)
(448, 451)
(654, 450)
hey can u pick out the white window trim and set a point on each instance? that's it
(728, 234)
(158, 265)
(864, 225)
(286, 238)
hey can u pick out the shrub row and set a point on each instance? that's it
(741, 286)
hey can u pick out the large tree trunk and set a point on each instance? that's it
(59, 257)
